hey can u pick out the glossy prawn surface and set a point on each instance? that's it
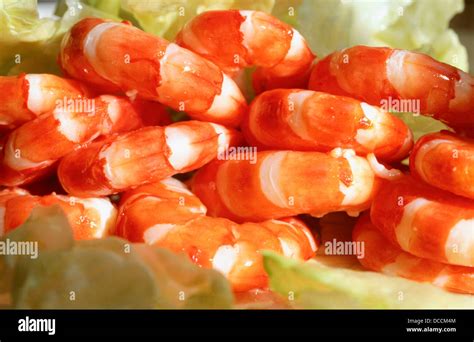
(146, 155)
(286, 183)
(446, 161)
(379, 74)
(382, 256)
(320, 145)
(167, 214)
(425, 221)
(306, 120)
(32, 149)
(119, 57)
(234, 40)
(26, 96)
(90, 218)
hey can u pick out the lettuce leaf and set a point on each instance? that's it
(420, 25)
(103, 273)
(313, 285)
(421, 125)
(166, 18)
(25, 38)
(30, 43)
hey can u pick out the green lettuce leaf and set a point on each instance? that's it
(328, 25)
(182, 284)
(109, 7)
(98, 275)
(316, 286)
(25, 38)
(48, 228)
(103, 273)
(30, 43)
(420, 25)
(421, 125)
(166, 18)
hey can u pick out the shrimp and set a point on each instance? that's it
(446, 161)
(26, 96)
(119, 57)
(89, 218)
(382, 256)
(146, 155)
(380, 75)
(286, 183)
(168, 215)
(235, 39)
(307, 120)
(425, 221)
(31, 150)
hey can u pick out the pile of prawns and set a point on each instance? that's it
(324, 145)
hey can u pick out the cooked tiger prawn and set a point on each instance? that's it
(26, 96)
(378, 74)
(307, 120)
(32, 149)
(89, 217)
(167, 214)
(382, 256)
(146, 155)
(425, 221)
(119, 57)
(286, 183)
(235, 39)
(445, 161)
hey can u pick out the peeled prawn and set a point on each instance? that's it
(150, 154)
(89, 218)
(381, 75)
(307, 120)
(235, 39)
(167, 214)
(30, 150)
(119, 57)
(425, 221)
(286, 183)
(446, 161)
(26, 96)
(382, 256)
